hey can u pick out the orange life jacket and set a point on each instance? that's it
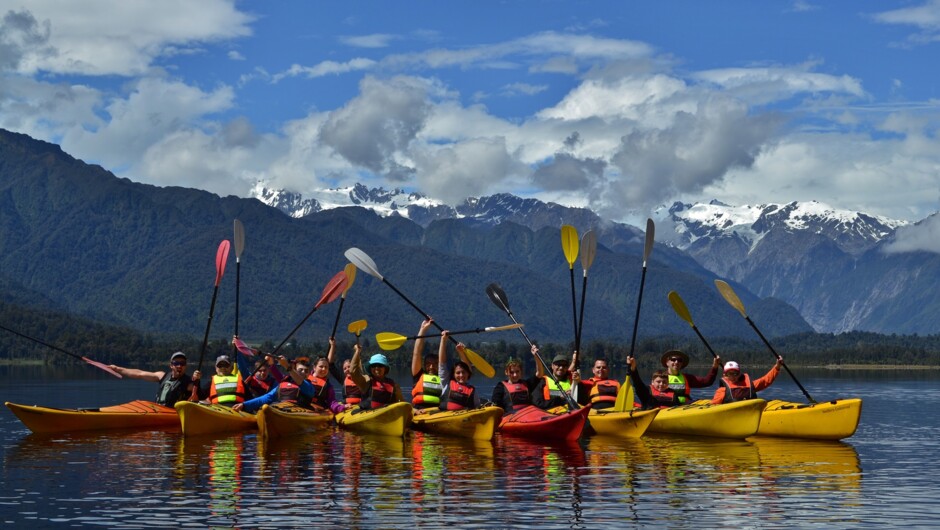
(351, 393)
(603, 392)
(226, 390)
(427, 391)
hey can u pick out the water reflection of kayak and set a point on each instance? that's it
(808, 457)
(701, 418)
(198, 419)
(475, 424)
(829, 420)
(391, 420)
(286, 419)
(628, 424)
(138, 414)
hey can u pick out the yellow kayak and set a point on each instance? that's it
(700, 418)
(198, 419)
(830, 420)
(132, 415)
(627, 424)
(285, 419)
(391, 420)
(476, 424)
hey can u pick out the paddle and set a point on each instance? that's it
(350, 271)
(239, 248)
(330, 293)
(96, 364)
(221, 256)
(588, 251)
(680, 308)
(732, 298)
(362, 260)
(622, 402)
(569, 244)
(393, 341)
(499, 298)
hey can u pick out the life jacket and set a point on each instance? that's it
(226, 390)
(172, 390)
(518, 394)
(427, 391)
(736, 392)
(663, 399)
(604, 392)
(351, 393)
(551, 390)
(259, 387)
(680, 385)
(288, 391)
(320, 389)
(383, 393)
(459, 396)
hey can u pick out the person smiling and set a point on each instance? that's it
(458, 393)
(682, 383)
(174, 384)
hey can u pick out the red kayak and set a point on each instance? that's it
(533, 422)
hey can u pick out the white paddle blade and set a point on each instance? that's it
(362, 261)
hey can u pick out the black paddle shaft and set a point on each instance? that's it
(41, 342)
(705, 342)
(636, 319)
(777, 355)
(419, 310)
(205, 338)
(338, 313)
(238, 281)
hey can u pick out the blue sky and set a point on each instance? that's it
(618, 106)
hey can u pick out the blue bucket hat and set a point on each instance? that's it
(379, 359)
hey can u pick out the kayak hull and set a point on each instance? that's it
(475, 424)
(830, 420)
(198, 419)
(288, 419)
(141, 415)
(701, 418)
(535, 423)
(627, 424)
(391, 420)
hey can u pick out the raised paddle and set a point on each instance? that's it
(239, 248)
(221, 256)
(96, 364)
(732, 298)
(498, 296)
(350, 271)
(622, 398)
(356, 328)
(569, 244)
(330, 293)
(362, 260)
(588, 251)
(393, 341)
(680, 308)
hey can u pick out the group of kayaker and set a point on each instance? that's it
(437, 385)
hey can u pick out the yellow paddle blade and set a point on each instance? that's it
(569, 243)
(390, 341)
(624, 397)
(680, 308)
(479, 363)
(357, 327)
(350, 271)
(730, 296)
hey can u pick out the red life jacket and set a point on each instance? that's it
(383, 393)
(459, 396)
(288, 391)
(320, 387)
(518, 394)
(736, 392)
(603, 392)
(351, 393)
(663, 399)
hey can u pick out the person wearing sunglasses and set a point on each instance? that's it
(174, 384)
(736, 385)
(226, 387)
(682, 383)
(548, 395)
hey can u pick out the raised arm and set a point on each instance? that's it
(134, 373)
(417, 358)
(355, 370)
(331, 355)
(539, 367)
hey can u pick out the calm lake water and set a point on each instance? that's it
(886, 475)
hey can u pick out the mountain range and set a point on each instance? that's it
(829, 264)
(76, 239)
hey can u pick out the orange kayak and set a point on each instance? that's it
(144, 415)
